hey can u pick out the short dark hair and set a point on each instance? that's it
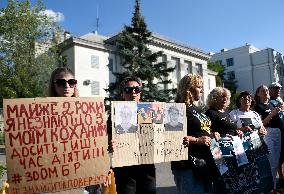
(244, 93)
(129, 79)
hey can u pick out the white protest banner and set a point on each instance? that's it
(148, 133)
(243, 163)
(55, 144)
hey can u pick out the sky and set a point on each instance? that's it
(209, 25)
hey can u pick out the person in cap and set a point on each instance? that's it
(276, 100)
(273, 124)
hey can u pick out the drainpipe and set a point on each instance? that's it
(270, 71)
(252, 72)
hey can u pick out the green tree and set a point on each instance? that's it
(217, 67)
(138, 60)
(227, 81)
(25, 34)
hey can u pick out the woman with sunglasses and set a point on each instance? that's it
(63, 84)
(188, 176)
(138, 179)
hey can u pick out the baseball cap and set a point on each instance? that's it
(275, 85)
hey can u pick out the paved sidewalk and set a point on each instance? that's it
(165, 179)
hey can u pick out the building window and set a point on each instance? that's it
(230, 62)
(199, 69)
(176, 64)
(209, 84)
(231, 75)
(95, 88)
(189, 66)
(110, 64)
(95, 61)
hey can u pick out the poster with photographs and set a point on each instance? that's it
(244, 169)
(139, 130)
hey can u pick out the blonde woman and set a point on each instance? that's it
(218, 100)
(188, 181)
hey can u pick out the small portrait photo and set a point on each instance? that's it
(174, 117)
(158, 112)
(125, 118)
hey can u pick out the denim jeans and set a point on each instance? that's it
(273, 142)
(186, 183)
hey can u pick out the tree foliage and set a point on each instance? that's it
(138, 60)
(25, 33)
(217, 67)
(227, 81)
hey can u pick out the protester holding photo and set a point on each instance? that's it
(250, 121)
(218, 100)
(273, 124)
(138, 179)
(187, 179)
(246, 119)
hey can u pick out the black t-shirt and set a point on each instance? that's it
(264, 110)
(221, 122)
(198, 124)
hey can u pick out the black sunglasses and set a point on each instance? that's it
(62, 82)
(129, 90)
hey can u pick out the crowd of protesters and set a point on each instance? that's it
(265, 109)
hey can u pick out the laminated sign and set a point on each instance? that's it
(55, 144)
(148, 133)
(243, 163)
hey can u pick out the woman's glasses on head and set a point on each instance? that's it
(62, 82)
(130, 90)
(246, 97)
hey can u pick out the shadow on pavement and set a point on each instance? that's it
(166, 190)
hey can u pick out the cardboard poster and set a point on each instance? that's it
(55, 144)
(243, 163)
(144, 139)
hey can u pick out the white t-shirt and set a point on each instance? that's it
(246, 118)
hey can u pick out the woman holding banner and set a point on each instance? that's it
(63, 84)
(253, 128)
(187, 179)
(138, 179)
